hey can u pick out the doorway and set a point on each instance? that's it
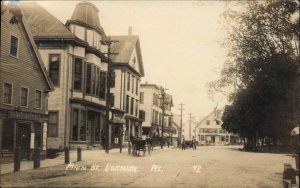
(23, 140)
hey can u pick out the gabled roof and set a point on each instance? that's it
(39, 62)
(46, 27)
(125, 47)
(42, 23)
(206, 117)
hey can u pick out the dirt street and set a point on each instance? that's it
(208, 166)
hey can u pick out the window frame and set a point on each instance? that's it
(132, 89)
(82, 74)
(128, 81)
(35, 99)
(86, 79)
(142, 95)
(12, 91)
(18, 46)
(27, 100)
(102, 85)
(57, 123)
(59, 66)
(127, 102)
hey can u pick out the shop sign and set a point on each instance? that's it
(44, 136)
(24, 115)
(32, 137)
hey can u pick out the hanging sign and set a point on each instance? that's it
(44, 136)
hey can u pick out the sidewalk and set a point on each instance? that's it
(28, 165)
(60, 160)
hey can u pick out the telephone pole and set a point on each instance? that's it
(163, 98)
(190, 114)
(106, 135)
(180, 134)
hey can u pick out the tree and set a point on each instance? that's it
(260, 71)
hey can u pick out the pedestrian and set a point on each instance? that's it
(194, 143)
(183, 144)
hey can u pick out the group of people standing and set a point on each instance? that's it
(184, 143)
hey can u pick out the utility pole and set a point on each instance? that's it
(180, 134)
(190, 114)
(106, 135)
(163, 98)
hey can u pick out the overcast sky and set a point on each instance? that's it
(180, 43)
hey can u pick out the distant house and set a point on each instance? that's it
(127, 67)
(209, 131)
(24, 88)
(151, 111)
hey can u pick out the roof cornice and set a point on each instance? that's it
(100, 30)
(73, 41)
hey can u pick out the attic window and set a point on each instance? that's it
(14, 43)
(207, 122)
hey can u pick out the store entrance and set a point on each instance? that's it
(23, 140)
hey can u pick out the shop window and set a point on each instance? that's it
(75, 124)
(132, 106)
(7, 93)
(38, 99)
(82, 126)
(77, 83)
(38, 135)
(54, 63)
(14, 45)
(127, 130)
(136, 107)
(24, 97)
(53, 124)
(127, 104)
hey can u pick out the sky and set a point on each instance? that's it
(180, 44)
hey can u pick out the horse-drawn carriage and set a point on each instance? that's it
(140, 145)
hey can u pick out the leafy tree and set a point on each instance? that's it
(260, 71)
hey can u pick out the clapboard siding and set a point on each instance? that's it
(22, 71)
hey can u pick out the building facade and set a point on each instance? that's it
(74, 55)
(24, 88)
(209, 131)
(128, 69)
(151, 111)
